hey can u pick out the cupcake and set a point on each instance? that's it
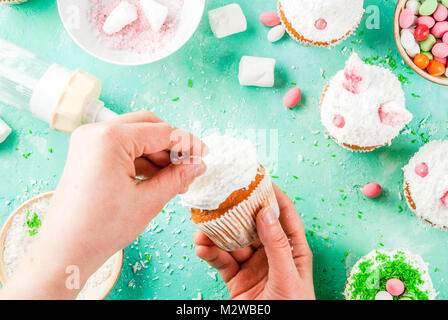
(363, 106)
(426, 184)
(225, 200)
(321, 23)
(394, 275)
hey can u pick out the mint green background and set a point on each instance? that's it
(339, 231)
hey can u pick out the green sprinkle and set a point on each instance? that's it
(190, 83)
(50, 150)
(176, 99)
(26, 155)
(33, 223)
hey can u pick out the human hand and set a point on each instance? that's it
(278, 266)
(99, 206)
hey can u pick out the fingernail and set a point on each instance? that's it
(199, 169)
(269, 216)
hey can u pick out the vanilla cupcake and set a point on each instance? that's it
(426, 184)
(394, 275)
(322, 23)
(225, 200)
(363, 106)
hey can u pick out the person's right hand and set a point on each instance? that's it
(278, 266)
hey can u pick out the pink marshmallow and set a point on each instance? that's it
(422, 169)
(407, 18)
(395, 287)
(270, 19)
(320, 24)
(429, 21)
(292, 98)
(441, 13)
(371, 190)
(439, 29)
(339, 122)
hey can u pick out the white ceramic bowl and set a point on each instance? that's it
(81, 32)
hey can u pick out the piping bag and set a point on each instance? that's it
(63, 98)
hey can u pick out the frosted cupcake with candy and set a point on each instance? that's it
(426, 183)
(394, 275)
(225, 200)
(322, 23)
(363, 106)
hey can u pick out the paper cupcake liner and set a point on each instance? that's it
(237, 228)
(308, 42)
(12, 1)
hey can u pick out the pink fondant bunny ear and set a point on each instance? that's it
(352, 74)
(393, 115)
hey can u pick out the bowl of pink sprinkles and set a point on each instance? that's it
(131, 32)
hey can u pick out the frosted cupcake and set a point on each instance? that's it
(363, 106)
(394, 275)
(426, 184)
(225, 200)
(321, 23)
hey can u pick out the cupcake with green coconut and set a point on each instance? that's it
(390, 275)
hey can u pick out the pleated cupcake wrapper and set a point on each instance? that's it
(312, 43)
(237, 228)
(13, 1)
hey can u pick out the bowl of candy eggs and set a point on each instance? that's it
(421, 35)
(131, 32)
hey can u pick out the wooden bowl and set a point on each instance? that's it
(98, 293)
(442, 80)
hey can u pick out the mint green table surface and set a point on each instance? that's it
(341, 225)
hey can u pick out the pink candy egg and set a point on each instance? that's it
(429, 21)
(439, 29)
(440, 50)
(441, 60)
(421, 32)
(422, 169)
(445, 38)
(371, 190)
(320, 24)
(444, 200)
(395, 287)
(339, 122)
(441, 13)
(270, 19)
(292, 98)
(407, 18)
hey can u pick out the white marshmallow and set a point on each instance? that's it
(155, 13)
(227, 20)
(120, 17)
(5, 130)
(255, 71)
(276, 33)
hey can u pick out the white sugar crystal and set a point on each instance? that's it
(155, 13)
(227, 20)
(255, 71)
(5, 131)
(120, 17)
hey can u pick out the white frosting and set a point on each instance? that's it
(232, 164)
(379, 87)
(413, 260)
(428, 191)
(341, 17)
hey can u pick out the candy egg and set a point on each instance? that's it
(320, 24)
(339, 122)
(445, 38)
(444, 200)
(429, 21)
(414, 5)
(270, 19)
(383, 295)
(435, 68)
(440, 50)
(427, 44)
(292, 98)
(428, 54)
(441, 60)
(414, 51)
(421, 32)
(407, 39)
(407, 18)
(441, 13)
(439, 29)
(276, 33)
(422, 169)
(395, 287)
(421, 60)
(428, 7)
(371, 190)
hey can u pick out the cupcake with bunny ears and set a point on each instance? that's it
(363, 106)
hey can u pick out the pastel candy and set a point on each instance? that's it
(414, 5)
(276, 33)
(5, 131)
(441, 60)
(428, 7)
(123, 14)
(320, 24)
(339, 122)
(445, 3)
(444, 200)
(440, 50)
(428, 54)
(383, 295)
(292, 98)
(422, 169)
(415, 50)
(255, 71)
(441, 13)
(439, 29)
(227, 20)
(155, 13)
(429, 21)
(269, 19)
(407, 39)
(421, 32)
(407, 18)
(395, 287)
(371, 190)
(427, 44)
(445, 38)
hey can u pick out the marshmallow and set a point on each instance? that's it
(256, 71)
(5, 130)
(227, 20)
(120, 17)
(155, 13)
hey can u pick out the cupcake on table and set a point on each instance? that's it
(363, 106)
(321, 23)
(426, 184)
(394, 275)
(225, 200)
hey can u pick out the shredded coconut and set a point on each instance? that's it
(231, 165)
(427, 192)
